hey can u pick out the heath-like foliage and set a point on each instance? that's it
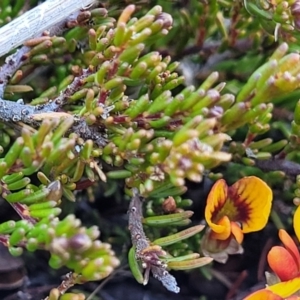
(100, 99)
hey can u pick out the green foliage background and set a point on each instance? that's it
(229, 108)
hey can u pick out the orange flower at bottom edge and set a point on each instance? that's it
(263, 295)
(232, 211)
(285, 263)
(278, 291)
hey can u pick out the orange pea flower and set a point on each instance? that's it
(232, 211)
(268, 295)
(285, 263)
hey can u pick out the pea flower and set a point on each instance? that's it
(232, 211)
(285, 263)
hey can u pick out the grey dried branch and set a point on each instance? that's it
(147, 254)
(16, 60)
(290, 168)
(12, 64)
(67, 283)
(32, 23)
(15, 112)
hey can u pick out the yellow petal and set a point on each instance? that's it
(296, 222)
(215, 201)
(225, 234)
(237, 232)
(286, 288)
(253, 198)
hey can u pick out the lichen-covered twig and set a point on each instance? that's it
(11, 65)
(147, 254)
(12, 112)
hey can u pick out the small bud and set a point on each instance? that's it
(167, 20)
(79, 243)
(169, 205)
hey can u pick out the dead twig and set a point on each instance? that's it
(147, 254)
